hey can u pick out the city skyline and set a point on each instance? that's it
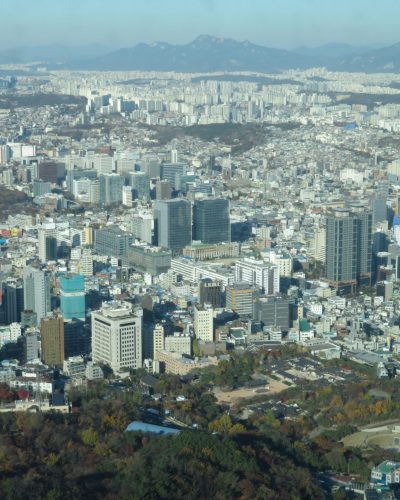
(288, 25)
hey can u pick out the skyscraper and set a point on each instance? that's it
(174, 223)
(117, 336)
(14, 301)
(52, 334)
(72, 296)
(47, 242)
(348, 249)
(111, 189)
(211, 220)
(140, 183)
(37, 292)
(204, 323)
(172, 171)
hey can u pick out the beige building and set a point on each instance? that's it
(52, 334)
(204, 323)
(175, 363)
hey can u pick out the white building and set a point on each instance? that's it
(204, 323)
(158, 339)
(178, 342)
(117, 336)
(256, 272)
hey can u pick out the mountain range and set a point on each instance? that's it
(211, 54)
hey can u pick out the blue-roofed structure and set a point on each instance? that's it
(138, 426)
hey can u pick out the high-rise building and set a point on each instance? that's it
(30, 345)
(163, 190)
(258, 273)
(28, 319)
(127, 196)
(14, 302)
(140, 183)
(272, 312)
(211, 220)
(47, 237)
(174, 223)
(240, 298)
(204, 323)
(112, 241)
(52, 335)
(210, 292)
(116, 336)
(72, 296)
(157, 340)
(348, 249)
(76, 338)
(111, 189)
(37, 292)
(172, 171)
(41, 187)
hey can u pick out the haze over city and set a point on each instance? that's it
(285, 24)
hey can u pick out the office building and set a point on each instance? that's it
(47, 237)
(28, 319)
(117, 336)
(111, 189)
(112, 241)
(172, 171)
(142, 227)
(88, 173)
(178, 342)
(30, 346)
(150, 260)
(72, 296)
(14, 302)
(348, 250)
(157, 340)
(37, 296)
(140, 183)
(210, 292)
(163, 190)
(259, 273)
(127, 196)
(240, 297)
(41, 187)
(272, 312)
(52, 340)
(76, 338)
(174, 223)
(211, 220)
(203, 323)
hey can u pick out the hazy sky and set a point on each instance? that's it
(276, 23)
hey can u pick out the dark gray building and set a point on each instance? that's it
(211, 220)
(14, 300)
(348, 249)
(272, 311)
(112, 241)
(174, 223)
(140, 183)
(210, 292)
(151, 260)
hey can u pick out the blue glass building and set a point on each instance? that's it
(72, 296)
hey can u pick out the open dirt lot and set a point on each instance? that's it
(232, 397)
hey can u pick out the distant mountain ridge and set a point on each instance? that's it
(211, 54)
(204, 54)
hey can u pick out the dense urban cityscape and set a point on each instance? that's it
(199, 283)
